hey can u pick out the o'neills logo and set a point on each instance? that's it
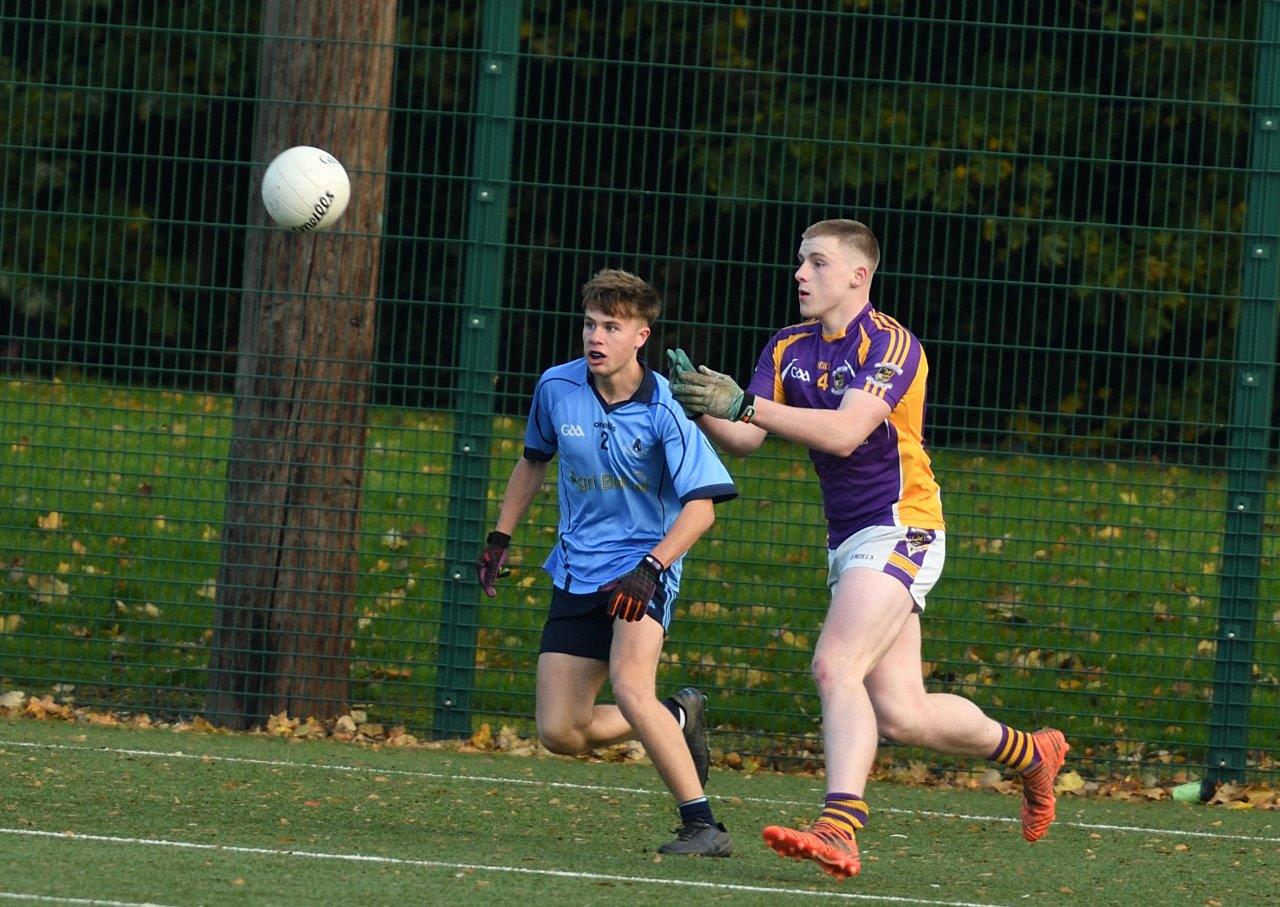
(318, 212)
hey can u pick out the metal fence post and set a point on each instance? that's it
(497, 62)
(1250, 426)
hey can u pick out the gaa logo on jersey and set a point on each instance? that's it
(572, 431)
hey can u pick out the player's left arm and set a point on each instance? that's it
(630, 594)
(694, 519)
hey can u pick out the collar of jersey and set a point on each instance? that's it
(643, 394)
(864, 315)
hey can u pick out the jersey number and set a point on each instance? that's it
(604, 440)
(822, 381)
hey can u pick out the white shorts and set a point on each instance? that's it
(914, 557)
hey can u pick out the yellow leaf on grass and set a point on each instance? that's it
(50, 521)
(46, 589)
(1069, 781)
(483, 738)
(10, 623)
(281, 725)
(309, 728)
(45, 707)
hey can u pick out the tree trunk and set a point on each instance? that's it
(286, 585)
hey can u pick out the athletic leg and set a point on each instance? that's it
(633, 670)
(907, 713)
(868, 611)
(569, 721)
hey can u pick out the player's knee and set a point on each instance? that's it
(632, 695)
(832, 675)
(561, 739)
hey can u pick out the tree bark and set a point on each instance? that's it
(286, 584)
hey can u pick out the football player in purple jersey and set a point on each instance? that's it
(848, 382)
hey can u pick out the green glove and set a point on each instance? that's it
(714, 394)
(680, 364)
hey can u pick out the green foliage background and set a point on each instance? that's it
(1059, 191)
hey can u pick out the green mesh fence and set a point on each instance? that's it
(1079, 208)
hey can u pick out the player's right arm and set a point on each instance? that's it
(735, 438)
(526, 478)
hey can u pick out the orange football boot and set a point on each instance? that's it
(836, 854)
(1038, 800)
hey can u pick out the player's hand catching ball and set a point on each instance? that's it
(632, 592)
(714, 394)
(489, 563)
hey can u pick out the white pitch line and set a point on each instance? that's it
(93, 902)
(570, 785)
(69, 836)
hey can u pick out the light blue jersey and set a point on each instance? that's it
(625, 471)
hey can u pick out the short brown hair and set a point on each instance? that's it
(621, 294)
(851, 233)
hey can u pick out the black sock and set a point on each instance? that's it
(676, 712)
(697, 810)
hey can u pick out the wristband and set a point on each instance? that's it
(747, 411)
(654, 563)
(501, 539)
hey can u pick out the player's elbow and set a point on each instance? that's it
(743, 444)
(843, 445)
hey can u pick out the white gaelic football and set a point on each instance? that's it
(305, 189)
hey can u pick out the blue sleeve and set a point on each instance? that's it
(540, 439)
(694, 465)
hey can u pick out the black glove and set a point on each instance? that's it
(489, 563)
(633, 591)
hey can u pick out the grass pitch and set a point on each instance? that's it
(155, 817)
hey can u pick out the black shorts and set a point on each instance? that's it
(579, 624)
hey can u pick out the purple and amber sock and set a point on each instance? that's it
(1016, 750)
(846, 813)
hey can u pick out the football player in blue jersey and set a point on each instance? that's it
(637, 486)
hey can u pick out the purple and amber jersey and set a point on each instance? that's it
(888, 480)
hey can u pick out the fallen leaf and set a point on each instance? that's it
(281, 725)
(1069, 781)
(47, 588)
